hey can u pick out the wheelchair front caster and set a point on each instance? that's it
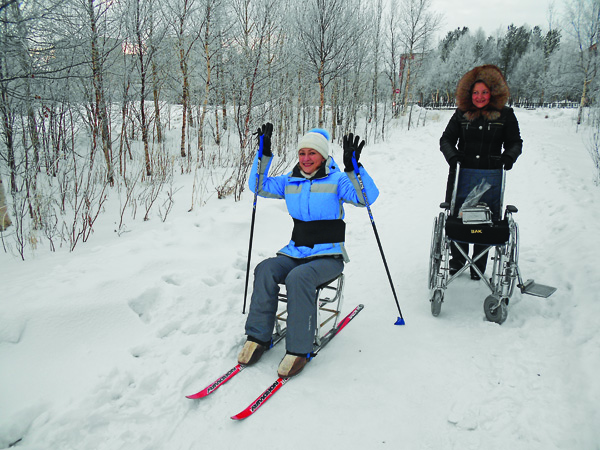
(436, 302)
(495, 309)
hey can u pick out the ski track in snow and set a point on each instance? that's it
(134, 338)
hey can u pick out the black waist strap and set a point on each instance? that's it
(307, 234)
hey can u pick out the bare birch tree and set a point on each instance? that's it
(4, 217)
(376, 60)
(7, 116)
(328, 31)
(211, 40)
(181, 15)
(392, 46)
(417, 25)
(583, 17)
(96, 9)
(143, 38)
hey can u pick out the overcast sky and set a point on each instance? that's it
(492, 15)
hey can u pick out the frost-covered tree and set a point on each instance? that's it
(563, 81)
(551, 42)
(486, 48)
(465, 53)
(529, 71)
(417, 24)
(462, 58)
(376, 49)
(392, 49)
(328, 31)
(528, 80)
(512, 46)
(447, 44)
(5, 221)
(213, 27)
(181, 16)
(142, 42)
(255, 25)
(98, 27)
(583, 19)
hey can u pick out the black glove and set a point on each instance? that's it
(351, 148)
(454, 160)
(506, 161)
(266, 130)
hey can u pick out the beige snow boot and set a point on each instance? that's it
(291, 365)
(251, 352)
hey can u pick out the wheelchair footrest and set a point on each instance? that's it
(530, 287)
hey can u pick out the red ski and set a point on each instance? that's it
(218, 382)
(270, 391)
(251, 409)
(212, 387)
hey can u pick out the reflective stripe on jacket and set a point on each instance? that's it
(319, 198)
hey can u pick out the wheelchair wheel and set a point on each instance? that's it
(509, 273)
(495, 311)
(436, 302)
(435, 252)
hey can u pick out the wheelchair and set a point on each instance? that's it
(483, 223)
(329, 297)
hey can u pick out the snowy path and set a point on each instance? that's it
(99, 349)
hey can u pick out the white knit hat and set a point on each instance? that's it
(317, 139)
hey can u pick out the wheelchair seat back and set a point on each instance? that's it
(468, 179)
(494, 231)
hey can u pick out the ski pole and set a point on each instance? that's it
(400, 320)
(260, 153)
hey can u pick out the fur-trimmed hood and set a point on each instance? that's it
(493, 78)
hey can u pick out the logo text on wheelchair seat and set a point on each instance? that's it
(476, 231)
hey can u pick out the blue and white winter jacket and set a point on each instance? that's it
(319, 198)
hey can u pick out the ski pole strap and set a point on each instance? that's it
(310, 233)
(260, 146)
(354, 162)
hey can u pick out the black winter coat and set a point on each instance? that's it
(480, 141)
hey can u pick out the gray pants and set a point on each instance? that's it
(301, 278)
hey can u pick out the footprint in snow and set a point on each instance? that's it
(139, 351)
(12, 329)
(464, 416)
(240, 264)
(172, 279)
(145, 304)
(168, 329)
(210, 282)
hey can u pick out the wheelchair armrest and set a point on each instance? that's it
(445, 205)
(510, 209)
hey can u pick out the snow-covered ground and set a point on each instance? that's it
(99, 347)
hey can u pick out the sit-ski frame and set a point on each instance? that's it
(324, 314)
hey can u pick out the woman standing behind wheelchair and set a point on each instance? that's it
(314, 192)
(475, 135)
